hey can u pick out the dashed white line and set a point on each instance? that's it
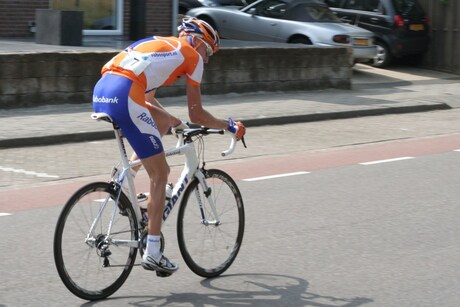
(386, 160)
(25, 172)
(457, 150)
(276, 176)
(4, 214)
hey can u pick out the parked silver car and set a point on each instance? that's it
(290, 21)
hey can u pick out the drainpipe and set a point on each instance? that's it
(175, 12)
(137, 20)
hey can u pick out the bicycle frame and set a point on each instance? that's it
(107, 217)
(191, 170)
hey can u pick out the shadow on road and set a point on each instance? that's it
(247, 290)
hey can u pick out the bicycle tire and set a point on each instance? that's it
(209, 250)
(94, 271)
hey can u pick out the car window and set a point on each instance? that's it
(408, 7)
(333, 3)
(270, 8)
(311, 13)
(364, 5)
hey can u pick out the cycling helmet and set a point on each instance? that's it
(196, 27)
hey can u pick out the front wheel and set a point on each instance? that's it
(209, 238)
(92, 263)
(383, 57)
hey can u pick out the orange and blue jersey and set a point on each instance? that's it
(157, 61)
(142, 67)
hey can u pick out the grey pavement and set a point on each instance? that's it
(400, 89)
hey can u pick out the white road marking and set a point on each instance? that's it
(457, 150)
(22, 171)
(387, 160)
(4, 214)
(275, 176)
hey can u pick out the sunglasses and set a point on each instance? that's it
(209, 51)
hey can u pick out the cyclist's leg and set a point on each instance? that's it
(142, 133)
(163, 119)
(158, 170)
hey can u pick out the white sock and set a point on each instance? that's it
(153, 246)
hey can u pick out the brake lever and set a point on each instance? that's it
(244, 143)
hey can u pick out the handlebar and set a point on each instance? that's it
(231, 148)
(189, 133)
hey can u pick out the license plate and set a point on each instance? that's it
(416, 27)
(361, 42)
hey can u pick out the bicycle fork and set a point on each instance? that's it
(208, 194)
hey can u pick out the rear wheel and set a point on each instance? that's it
(90, 262)
(383, 56)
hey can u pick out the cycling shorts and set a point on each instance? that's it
(124, 101)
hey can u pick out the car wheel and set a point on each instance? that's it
(383, 57)
(300, 40)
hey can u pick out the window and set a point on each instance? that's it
(99, 17)
(271, 8)
(408, 7)
(312, 13)
(333, 3)
(364, 5)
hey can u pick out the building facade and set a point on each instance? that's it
(133, 19)
(102, 17)
(445, 35)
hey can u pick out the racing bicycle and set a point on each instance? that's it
(102, 226)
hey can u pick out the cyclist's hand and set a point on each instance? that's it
(237, 128)
(180, 127)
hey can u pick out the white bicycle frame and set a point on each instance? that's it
(191, 170)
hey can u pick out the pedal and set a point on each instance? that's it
(141, 197)
(163, 274)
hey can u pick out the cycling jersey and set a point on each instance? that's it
(142, 67)
(157, 61)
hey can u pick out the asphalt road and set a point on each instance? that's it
(51, 164)
(372, 221)
(374, 235)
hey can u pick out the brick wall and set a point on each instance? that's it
(32, 79)
(158, 17)
(126, 16)
(14, 16)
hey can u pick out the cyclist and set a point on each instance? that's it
(126, 91)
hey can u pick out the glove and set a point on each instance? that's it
(237, 128)
(181, 127)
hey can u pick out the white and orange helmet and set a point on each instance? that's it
(196, 27)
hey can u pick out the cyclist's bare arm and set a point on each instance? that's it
(198, 114)
(170, 120)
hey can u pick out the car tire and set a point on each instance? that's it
(383, 57)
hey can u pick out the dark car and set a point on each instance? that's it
(401, 27)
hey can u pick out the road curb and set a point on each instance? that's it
(254, 122)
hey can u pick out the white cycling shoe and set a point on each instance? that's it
(162, 266)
